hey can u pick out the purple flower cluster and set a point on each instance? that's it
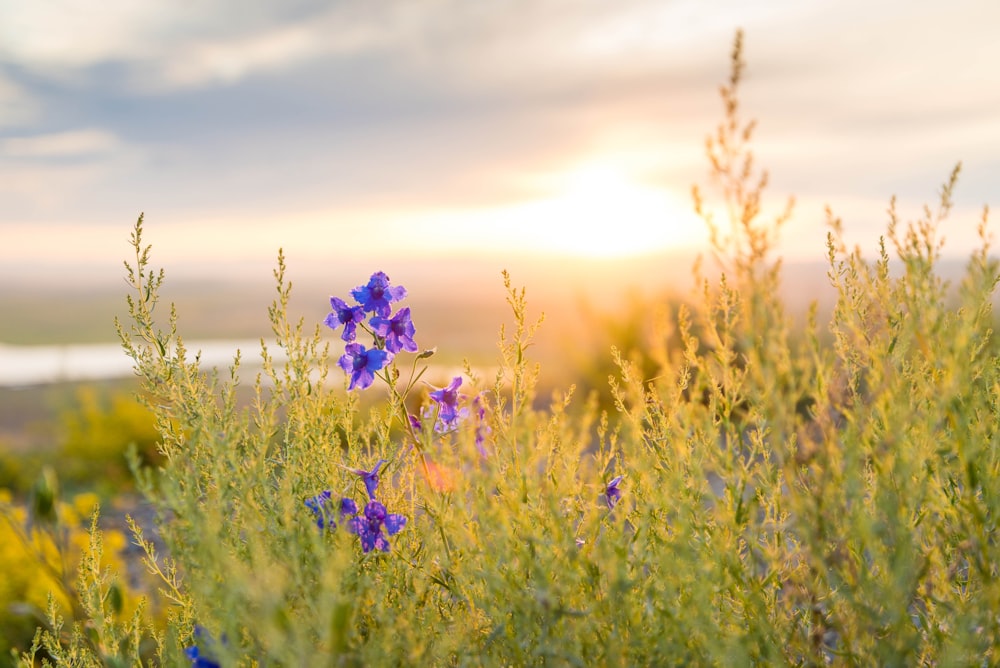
(450, 413)
(392, 333)
(367, 525)
(318, 504)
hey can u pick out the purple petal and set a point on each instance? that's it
(394, 524)
(380, 542)
(368, 541)
(346, 362)
(348, 507)
(611, 493)
(396, 293)
(375, 512)
(361, 379)
(350, 331)
(370, 478)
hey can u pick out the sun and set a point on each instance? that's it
(601, 211)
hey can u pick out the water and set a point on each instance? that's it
(39, 365)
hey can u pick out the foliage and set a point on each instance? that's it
(98, 430)
(47, 552)
(757, 498)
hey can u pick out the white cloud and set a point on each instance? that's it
(71, 144)
(226, 62)
(72, 33)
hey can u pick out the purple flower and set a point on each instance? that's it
(194, 653)
(415, 423)
(362, 364)
(482, 429)
(369, 527)
(397, 331)
(318, 504)
(612, 493)
(377, 295)
(348, 316)
(370, 479)
(447, 399)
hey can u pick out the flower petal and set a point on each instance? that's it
(394, 524)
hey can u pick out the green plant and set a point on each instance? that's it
(53, 561)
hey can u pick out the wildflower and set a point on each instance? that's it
(415, 423)
(482, 429)
(377, 295)
(195, 654)
(317, 504)
(397, 331)
(612, 493)
(370, 478)
(348, 316)
(448, 412)
(362, 364)
(369, 527)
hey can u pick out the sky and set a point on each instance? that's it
(350, 131)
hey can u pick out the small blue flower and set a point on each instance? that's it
(611, 492)
(362, 364)
(369, 527)
(318, 504)
(348, 316)
(195, 653)
(376, 296)
(397, 331)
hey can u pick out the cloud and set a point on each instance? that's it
(167, 46)
(86, 143)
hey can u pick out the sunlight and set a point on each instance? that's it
(599, 211)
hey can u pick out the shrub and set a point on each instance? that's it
(98, 430)
(42, 546)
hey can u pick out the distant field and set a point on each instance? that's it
(28, 415)
(457, 307)
(457, 302)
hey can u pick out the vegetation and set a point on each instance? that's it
(756, 492)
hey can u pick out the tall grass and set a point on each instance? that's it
(754, 496)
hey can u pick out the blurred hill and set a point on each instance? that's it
(458, 303)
